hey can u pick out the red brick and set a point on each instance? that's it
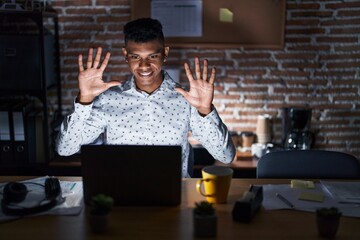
(349, 13)
(342, 5)
(341, 22)
(291, 6)
(310, 48)
(305, 31)
(302, 22)
(297, 39)
(343, 65)
(250, 55)
(287, 74)
(312, 14)
(301, 65)
(113, 2)
(337, 39)
(70, 3)
(294, 56)
(85, 11)
(252, 73)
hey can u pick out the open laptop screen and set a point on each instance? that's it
(134, 175)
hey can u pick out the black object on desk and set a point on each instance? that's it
(246, 207)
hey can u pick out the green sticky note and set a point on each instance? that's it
(312, 196)
(302, 184)
(225, 15)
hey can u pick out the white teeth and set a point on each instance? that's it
(145, 74)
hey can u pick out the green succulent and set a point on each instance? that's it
(101, 204)
(204, 208)
(332, 211)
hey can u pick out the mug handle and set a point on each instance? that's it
(199, 188)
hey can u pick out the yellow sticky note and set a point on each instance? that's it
(311, 196)
(302, 184)
(225, 15)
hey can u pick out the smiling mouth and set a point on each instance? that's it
(145, 74)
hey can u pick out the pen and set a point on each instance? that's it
(287, 202)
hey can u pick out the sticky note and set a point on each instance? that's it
(312, 196)
(302, 184)
(225, 15)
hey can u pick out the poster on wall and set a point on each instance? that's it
(180, 18)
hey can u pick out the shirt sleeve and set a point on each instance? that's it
(213, 134)
(83, 126)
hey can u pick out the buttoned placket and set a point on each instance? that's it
(147, 116)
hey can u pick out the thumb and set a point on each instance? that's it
(181, 91)
(112, 84)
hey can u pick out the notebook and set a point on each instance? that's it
(133, 175)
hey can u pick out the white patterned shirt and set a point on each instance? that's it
(127, 115)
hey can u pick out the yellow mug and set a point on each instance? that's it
(216, 182)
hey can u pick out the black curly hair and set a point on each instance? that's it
(143, 30)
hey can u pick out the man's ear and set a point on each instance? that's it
(166, 52)
(124, 52)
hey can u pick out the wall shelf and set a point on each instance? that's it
(30, 69)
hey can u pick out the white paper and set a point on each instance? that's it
(272, 202)
(343, 192)
(180, 18)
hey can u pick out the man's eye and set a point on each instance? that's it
(154, 56)
(134, 57)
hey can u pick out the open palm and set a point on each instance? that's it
(201, 91)
(90, 79)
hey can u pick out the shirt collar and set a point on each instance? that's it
(168, 83)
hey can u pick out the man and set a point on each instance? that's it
(148, 109)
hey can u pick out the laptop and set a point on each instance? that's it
(134, 175)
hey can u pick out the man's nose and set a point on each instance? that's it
(144, 62)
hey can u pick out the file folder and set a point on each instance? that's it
(6, 148)
(20, 110)
(35, 132)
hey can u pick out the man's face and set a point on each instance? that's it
(145, 61)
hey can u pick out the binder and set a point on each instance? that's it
(6, 148)
(40, 143)
(20, 110)
(36, 150)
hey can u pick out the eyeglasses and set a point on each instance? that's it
(134, 58)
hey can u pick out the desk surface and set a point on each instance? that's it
(176, 222)
(243, 161)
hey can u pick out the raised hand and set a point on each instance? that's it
(90, 79)
(201, 91)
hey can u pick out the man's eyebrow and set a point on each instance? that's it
(157, 52)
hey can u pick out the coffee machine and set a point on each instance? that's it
(296, 128)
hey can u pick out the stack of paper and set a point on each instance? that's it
(343, 192)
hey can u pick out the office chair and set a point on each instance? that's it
(317, 164)
(199, 157)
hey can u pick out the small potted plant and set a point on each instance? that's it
(327, 220)
(100, 207)
(205, 219)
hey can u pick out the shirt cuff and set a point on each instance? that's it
(213, 117)
(82, 111)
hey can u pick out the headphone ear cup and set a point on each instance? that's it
(52, 188)
(14, 192)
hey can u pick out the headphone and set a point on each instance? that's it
(15, 192)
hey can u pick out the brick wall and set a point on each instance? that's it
(319, 66)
